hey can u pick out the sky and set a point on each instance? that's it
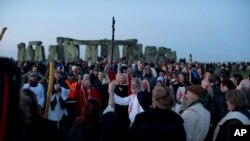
(211, 30)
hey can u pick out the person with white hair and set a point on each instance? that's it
(244, 86)
(238, 115)
(196, 117)
(134, 106)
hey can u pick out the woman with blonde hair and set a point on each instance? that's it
(159, 123)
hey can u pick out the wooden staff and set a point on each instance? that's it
(2, 33)
(50, 88)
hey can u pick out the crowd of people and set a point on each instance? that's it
(142, 101)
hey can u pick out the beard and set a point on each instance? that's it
(186, 102)
(33, 83)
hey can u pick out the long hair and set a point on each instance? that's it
(237, 98)
(163, 97)
(90, 115)
(29, 107)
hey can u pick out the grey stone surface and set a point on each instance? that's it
(53, 53)
(59, 40)
(133, 53)
(38, 43)
(30, 53)
(67, 50)
(116, 54)
(174, 56)
(21, 53)
(43, 55)
(71, 52)
(150, 53)
(91, 53)
(39, 53)
(168, 54)
(103, 42)
(161, 55)
(61, 55)
(104, 50)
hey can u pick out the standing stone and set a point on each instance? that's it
(132, 53)
(116, 53)
(21, 54)
(71, 52)
(30, 53)
(161, 55)
(60, 41)
(39, 53)
(174, 56)
(43, 55)
(104, 50)
(126, 52)
(91, 53)
(150, 53)
(136, 52)
(53, 53)
(168, 54)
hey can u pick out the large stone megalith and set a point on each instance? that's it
(132, 52)
(174, 56)
(21, 53)
(71, 52)
(39, 53)
(91, 53)
(104, 50)
(116, 53)
(30, 53)
(39, 50)
(53, 53)
(168, 54)
(161, 55)
(150, 53)
(60, 41)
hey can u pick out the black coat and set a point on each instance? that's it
(157, 125)
(225, 132)
(39, 129)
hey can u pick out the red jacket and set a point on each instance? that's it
(82, 96)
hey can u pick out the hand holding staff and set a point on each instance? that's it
(50, 88)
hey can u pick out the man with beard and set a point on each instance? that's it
(36, 87)
(196, 117)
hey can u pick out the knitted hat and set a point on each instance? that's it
(33, 74)
(161, 79)
(196, 89)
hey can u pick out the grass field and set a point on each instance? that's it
(243, 73)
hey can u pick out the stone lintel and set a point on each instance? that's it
(97, 42)
(38, 43)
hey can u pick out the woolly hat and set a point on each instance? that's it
(160, 78)
(196, 89)
(33, 74)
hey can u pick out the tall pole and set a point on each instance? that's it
(2, 33)
(112, 42)
(50, 88)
